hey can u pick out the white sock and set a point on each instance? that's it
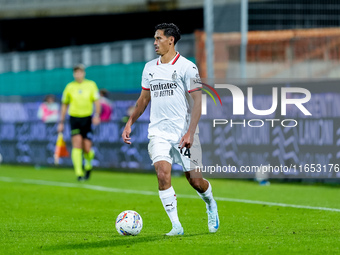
(169, 201)
(208, 198)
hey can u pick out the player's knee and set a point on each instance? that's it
(164, 180)
(162, 176)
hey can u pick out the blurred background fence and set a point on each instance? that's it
(115, 66)
(307, 53)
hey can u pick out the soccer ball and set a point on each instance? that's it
(129, 223)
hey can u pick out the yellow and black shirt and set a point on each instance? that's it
(80, 97)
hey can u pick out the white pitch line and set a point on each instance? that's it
(151, 193)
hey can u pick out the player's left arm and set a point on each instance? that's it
(95, 97)
(96, 116)
(188, 139)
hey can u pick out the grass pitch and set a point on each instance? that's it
(47, 212)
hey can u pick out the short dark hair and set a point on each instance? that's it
(79, 67)
(48, 97)
(170, 29)
(104, 92)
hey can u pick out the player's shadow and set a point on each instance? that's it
(119, 241)
(115, 242)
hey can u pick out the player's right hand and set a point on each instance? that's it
(60, 128)
(126, 135)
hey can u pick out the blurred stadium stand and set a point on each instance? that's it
(299, 53)
(293, 14)
(42, 24)
(115, 66)
(124, 52)
(263, 14)
(48, 8)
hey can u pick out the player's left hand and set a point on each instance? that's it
(186, 141)
(96, 120)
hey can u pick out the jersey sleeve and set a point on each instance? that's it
(145, 80)
(95, 92)
(65, 99)
(192, 78)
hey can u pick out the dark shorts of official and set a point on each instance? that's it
(81, 126)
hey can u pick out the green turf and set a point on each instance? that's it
(50, 219)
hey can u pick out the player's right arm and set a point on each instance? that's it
(65, 101)
(141, 105)
(62, 118)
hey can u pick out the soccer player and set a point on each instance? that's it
(173, 130)
(80, 95)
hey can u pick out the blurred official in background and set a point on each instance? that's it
(79, 97)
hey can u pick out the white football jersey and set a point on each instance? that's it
(171, 104)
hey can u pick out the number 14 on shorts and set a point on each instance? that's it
(185, 152)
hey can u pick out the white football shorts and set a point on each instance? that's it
(161, 149)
